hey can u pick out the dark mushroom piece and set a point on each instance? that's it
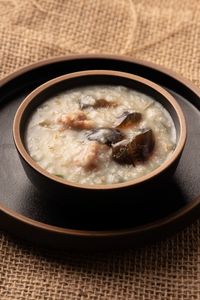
(136, 149)
(128, 119)
(88, 101)
(105, 135)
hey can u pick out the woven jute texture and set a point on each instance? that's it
(165, 32)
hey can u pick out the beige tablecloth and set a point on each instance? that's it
(164, 32)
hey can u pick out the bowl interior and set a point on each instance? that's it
(88, 78)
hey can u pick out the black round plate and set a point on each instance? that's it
(170, 207)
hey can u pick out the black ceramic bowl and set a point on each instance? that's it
(71, 192)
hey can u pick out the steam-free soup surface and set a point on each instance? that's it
(80, 135)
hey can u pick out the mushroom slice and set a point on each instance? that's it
(128, 119)
(89, 101)
(105, 135)
(135, 149)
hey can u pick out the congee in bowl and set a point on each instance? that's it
(98, 130)
(100, 134)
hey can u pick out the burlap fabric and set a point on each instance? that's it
(165, 32)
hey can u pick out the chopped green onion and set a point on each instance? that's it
(59, 175)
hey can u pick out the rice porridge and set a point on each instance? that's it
(100, 135)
